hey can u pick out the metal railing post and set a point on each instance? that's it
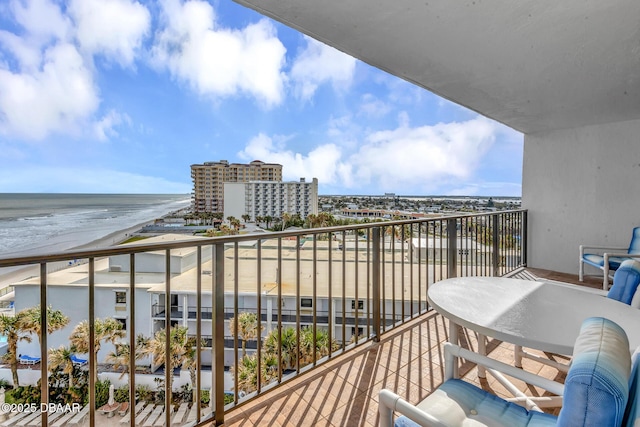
(93, 357)
(524, 240)
(198, 367)
(495, 243)
(44, 374)
(168, 368)
(218, 335)
(132, 336)
(452, 248)
(375, 279)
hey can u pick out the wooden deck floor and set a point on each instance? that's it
(407, 360)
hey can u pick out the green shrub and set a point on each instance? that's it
(102, 393)
(26, 394)
(204, 397)
(144, 393)
(122, 394)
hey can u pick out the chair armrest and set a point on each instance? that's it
(620, 254)
(390, 402)
(457, 351)
(602, 248)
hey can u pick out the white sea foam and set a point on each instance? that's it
(46, 223)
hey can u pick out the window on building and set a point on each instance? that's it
(360, 304)
(121, 297)
(360, 331)
(306, 302)
(123, 322)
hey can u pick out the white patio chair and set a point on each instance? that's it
(608, 258)
(596, 392)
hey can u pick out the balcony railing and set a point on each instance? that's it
(318, 292)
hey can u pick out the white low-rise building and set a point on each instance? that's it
(67, 290)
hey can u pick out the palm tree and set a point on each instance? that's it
(288, 344)
(191, 360)
(30, 321)
(108, 329)
(286, 217)
(179, 349)
(120, 357)
(246, 217)
(11, 327)
(225, 230)
(323, 347)
(235, 223)
(248, 371)
(247, 328)
(61, 358)
(311, 221)
(268, 219)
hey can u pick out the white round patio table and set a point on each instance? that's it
(539, 315)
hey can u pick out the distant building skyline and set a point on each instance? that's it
(209, 178)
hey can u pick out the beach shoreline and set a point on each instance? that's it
(9, 275)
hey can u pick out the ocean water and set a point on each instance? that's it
(44, 223)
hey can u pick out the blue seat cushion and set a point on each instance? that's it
(632, 412)
(598, 261)
(625, 282)
(459, 403)
(597, 385)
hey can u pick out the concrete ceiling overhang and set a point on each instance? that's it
(532, 65)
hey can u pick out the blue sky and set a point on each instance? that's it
(121, 96)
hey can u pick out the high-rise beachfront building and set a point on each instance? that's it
(209, 178)
(267, 198)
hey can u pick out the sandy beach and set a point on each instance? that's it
(9, 275)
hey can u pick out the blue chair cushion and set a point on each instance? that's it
(634, 245)
(598, 261)
(632, 412)
(597, 384)
(625, 282)
(614, 262)
(459, 403)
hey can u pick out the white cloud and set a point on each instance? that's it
(50, 87)
(373, 107)
(408, 156)
(419, 158)
(113, 28)
(322, 162)
(216, 61)
(42, 20)
(58, 97)
(318, 64)
(105, 127)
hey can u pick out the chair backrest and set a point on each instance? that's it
(632, 413)
(626, 282)
(634, 245)
(596, 389)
